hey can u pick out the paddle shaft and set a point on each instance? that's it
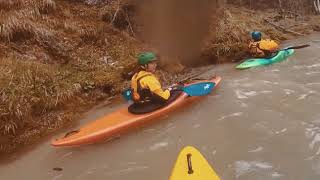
(296, 47)
(179, 82)
(190, 77)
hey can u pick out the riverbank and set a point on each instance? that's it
(54, 70)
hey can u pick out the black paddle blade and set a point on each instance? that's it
(298, 47)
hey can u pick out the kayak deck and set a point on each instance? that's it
(191, 165)
(119, 122)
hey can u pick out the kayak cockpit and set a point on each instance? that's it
(153, 106)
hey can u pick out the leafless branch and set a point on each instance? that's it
(282, 28)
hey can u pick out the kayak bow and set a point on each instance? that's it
(191, 165)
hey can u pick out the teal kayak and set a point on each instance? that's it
(254, 62)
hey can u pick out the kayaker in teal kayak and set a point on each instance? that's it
(147, 92)
(262, 48)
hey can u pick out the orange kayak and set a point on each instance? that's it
(122, 121)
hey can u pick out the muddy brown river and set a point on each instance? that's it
(260, 124)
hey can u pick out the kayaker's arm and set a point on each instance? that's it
(155, 87)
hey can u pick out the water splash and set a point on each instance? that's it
(230, 115)
(245, 167)
(258, 149)
(158, 146)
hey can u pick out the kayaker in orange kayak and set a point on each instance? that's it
(147, 92)
(262, 48)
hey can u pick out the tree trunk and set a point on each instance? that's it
(280, 4)
(316, 4)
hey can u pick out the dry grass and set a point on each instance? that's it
(45, 6)
(231, 34)
(15, 28)
(22, 23)
(33, 94)
(296, 6)
(90, 34)
(9, 4)
(31, 89)
(86, 58)
(27, 87)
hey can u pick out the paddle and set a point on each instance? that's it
(198, 89)
(190, 77)
(295, 47)
(127, 94)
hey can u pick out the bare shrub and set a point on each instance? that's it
(230, 34)
(45, 6)
(297, 6)
(118, 13)
(89, 35)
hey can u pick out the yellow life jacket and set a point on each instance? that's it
(146, 87)
(268, 45)
(263, 48)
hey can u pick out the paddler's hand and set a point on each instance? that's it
(176, 88)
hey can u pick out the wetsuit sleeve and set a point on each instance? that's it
(155, 87)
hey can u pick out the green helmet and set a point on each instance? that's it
(146, 57)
